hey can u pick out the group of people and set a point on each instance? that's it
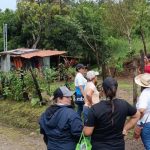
(105, 118)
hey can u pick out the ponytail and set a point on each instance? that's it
(110, 88)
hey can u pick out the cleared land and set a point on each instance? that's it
(22, 139)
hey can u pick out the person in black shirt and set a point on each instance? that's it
(106, 119)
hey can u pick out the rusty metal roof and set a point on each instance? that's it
(29, 53)
(42, 53)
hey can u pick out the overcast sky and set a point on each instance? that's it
(11, 4)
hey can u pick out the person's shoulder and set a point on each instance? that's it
(70, 111)
(99, 105)
(78, 75)
(146, 90)
(145, 93)
(90, 85)
(121, 101)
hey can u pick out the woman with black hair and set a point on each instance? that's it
(106, 119)
(80, 83)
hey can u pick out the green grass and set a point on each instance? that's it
(126, 85)
(20, 114)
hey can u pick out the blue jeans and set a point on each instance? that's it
(80, 109)
(85, 113)
(145, 135)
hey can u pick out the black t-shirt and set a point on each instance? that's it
(105, 135)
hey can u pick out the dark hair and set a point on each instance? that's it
(79, 66)
(110, 86)
(77, 69)
(148, 56)
(57, 93)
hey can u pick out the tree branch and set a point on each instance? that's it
(90, 45)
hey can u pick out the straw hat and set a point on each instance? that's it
(143, 80)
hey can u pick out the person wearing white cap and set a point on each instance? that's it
(91, 92)
(143, 105)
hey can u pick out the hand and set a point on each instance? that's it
(124, 132)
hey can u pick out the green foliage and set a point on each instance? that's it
(50, 75)
(99, 32)
(34, 101)
(12, 86)
(14, 33)
(71, 71)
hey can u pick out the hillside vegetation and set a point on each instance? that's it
(103, 32)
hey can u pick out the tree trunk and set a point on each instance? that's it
(104, 75)
(142, 61)
(98, 60)
(36, 86)
(36, 42)
(129, 41)
(143, 40)
(142, 64)
(60, 4)
(134, 84)
(115, 71)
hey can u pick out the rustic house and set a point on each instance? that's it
(25, 58)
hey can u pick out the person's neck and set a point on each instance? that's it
(62, 104)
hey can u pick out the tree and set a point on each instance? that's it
(121, 18)
(92, 32)
(142, 27)
(33, 24)
(14, 29)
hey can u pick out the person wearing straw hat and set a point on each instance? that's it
(91, 92)
(106, 119)
(60, 124)
(143, 105)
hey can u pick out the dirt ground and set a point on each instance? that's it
(19, 139)
(22, 139)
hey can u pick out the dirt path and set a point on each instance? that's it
(134, 145)
(14, 139)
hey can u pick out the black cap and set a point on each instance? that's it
(79, 66)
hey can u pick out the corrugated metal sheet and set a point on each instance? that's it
(42, 53)
(29, 53)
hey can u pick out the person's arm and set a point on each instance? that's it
(142, 110)
(45, 139)
(89, 96)
(90, 124)
(131, 122)
(82, 90)
(88, 130)
(76, 127)
(143, 102)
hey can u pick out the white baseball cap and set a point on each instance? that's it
(91, 74)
